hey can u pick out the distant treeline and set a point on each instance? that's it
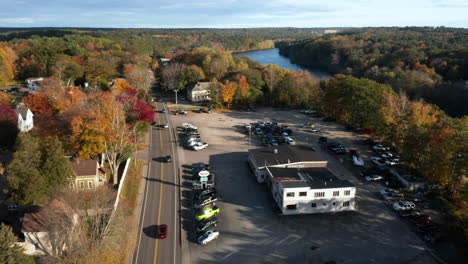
(424, 62)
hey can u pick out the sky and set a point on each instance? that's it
(232, 13)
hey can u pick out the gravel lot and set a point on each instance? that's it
(251, 230)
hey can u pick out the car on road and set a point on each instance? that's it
(162, 231)
(167, 158)
(208, 237)
(378, 161)
(163, 111)
(204, 225)
(165, 125)
(374, 177)
(404, 205)
(154, 123)
(207, 212)
(337, 148)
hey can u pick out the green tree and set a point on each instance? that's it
(10, 253)
(27, 185)
(55, 167)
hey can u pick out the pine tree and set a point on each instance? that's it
(55, 167)
(10, 253)
(27, 184)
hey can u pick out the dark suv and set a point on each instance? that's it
(204, 225)
(206, 193)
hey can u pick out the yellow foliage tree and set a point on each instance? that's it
(228, 90)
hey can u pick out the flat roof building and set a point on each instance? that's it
(300, 181)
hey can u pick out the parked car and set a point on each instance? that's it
(337, 148)
(200, 146)
(154, 123)
(388, 191)
(357, 160)
(206, 201)
(391, 162)
(165, 125)
(207, 212)
(163, 111)
(421, 219)
(380, 147)
(289, 141)
(404, 205)
(200, 165)
(204, 225)
(393, 196)
(374, 177)
(322, 140)
(209, 191)
(308, 125)
(162, 231)
(208, 237)
(314, 130)
(167, 158)
(409, 213)
(378, 161)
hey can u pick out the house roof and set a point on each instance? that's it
(38, 221)
(84, 167)
(315, 178)
(285, 154)
(200, 86)
(23, 112)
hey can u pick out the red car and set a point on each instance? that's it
(162, 233)
(422, 219)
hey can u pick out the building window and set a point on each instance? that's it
(324, 204)
(82, 185)
(302, 193)
(319, 194)
(291, 207)
(290, 194)
(90, 184)
(334, 203)
(313, 205)
(337, 193)
(346, 204)
(347, 192)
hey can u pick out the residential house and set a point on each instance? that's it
(25, 119)
(309, 190)
(34, 84)
(39, 228)
(88, 173)
(199, 92)
(283, 156)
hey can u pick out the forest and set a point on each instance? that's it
(424, 62)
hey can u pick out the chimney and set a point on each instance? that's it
(275, 151)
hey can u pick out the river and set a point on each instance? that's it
(272, 56)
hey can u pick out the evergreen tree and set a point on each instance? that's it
(27, 184)
(55, 167)
(10, 253)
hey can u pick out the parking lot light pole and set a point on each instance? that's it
(250, 135)
(175, 91)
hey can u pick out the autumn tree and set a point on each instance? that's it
(243, 86)
(39, 104)
(5, 98)
(227, 92)
(139, 77)
(7, 64)
(172, 76)
(87, 136)
(193, 74)
(10, 252)
(100, 67)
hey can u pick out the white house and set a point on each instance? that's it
(25, 119)
(310, 190)
(284, 156)
(199, 92)
(34, 83)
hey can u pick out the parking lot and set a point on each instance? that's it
(253, 232)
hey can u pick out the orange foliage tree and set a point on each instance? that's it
(7, 64)
(39, 104)
(87, 135)
(243, 86)
(228, 90)
(5, 98)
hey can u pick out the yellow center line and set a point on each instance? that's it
(160, 197)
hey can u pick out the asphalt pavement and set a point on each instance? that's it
(161, 199)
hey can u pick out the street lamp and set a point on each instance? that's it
(175, 91)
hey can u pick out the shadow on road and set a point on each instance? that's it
(151, 231)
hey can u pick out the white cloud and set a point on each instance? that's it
(17, 20)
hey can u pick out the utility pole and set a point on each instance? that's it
(175, 91)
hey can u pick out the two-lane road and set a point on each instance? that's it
(161, 200)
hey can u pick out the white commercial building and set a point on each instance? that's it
(310, 190)
(300, 181)
(199, 92)
(284, 156)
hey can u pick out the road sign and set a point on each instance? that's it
(204, 173)
(203, 179)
